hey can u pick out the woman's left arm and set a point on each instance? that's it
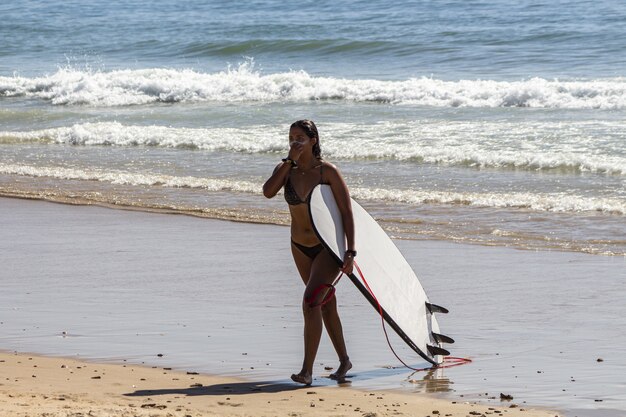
(342, 197)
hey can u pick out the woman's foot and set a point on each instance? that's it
(302, 378)
(344, 366)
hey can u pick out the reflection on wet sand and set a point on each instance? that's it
(433, 382)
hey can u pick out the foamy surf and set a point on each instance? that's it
(267, 139)
(546, 202)
(530, 146)
(70, 86)
(132, 178)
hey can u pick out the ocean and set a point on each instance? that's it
(496, 123)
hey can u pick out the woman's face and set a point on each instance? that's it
(298, 135)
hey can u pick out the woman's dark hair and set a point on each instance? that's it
(311, 131)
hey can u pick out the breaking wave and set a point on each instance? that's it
(70, 86)
(497, 145)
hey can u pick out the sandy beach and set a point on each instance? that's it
(61, 387)
(126, 291)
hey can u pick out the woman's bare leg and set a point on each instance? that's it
(335, 331)
(323, 271)
(303, 264)
(324, 274)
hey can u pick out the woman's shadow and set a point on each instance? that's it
(237, 388)
(430, 382)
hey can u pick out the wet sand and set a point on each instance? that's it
(223, 298)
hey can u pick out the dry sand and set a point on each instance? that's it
(60, 387)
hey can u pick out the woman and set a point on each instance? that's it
(299, 173)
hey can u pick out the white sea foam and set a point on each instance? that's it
(578, 147)
(132, 178)
(268, 139)
(530, 146)
(131, 87)
(551, 202)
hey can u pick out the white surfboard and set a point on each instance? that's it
(390, 278)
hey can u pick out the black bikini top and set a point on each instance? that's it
(291, 196)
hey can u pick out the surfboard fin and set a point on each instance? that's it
(434, 308)
(441, 338)
(436, 350)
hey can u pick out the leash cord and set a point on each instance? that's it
(448, 361)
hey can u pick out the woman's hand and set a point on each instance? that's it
(348, 263)
(295, 150)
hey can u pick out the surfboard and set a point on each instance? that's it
(388, 280)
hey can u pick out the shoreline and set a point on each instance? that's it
(235, 215)
(206, 213)
(35, 385)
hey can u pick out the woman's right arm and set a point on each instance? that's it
(281, 172)
(277, 180)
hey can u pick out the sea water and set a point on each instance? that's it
(498, 123)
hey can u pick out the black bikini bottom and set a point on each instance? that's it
(310, 251)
